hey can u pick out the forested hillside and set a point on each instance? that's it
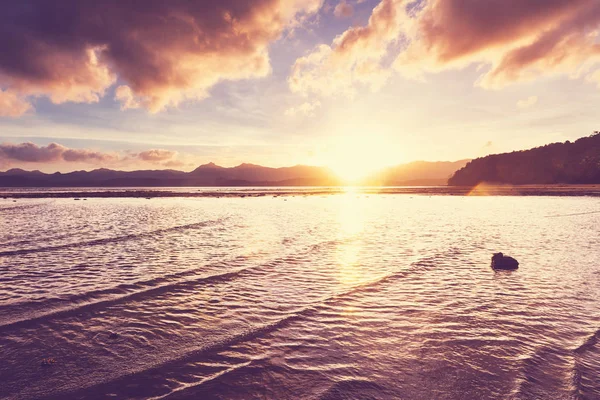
(570, 162)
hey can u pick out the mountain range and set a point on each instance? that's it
(575, 162)
(419, 173)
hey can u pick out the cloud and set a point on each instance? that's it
(519, 40)
(343, 10)
(307, 109)
(594, 77)
(125, 96)
(163, 52)
(15, 154)
(11, 105)
(528, 102)
(30, 152)
(509, 40)
(156, 155)
(354, 58)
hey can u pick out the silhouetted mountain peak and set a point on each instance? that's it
(248, 165)
(19, 171)
(209, 166)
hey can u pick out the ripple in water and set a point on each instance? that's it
(335, 297)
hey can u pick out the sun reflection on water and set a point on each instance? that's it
(351, 218)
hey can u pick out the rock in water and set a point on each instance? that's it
(48, 362)
(502, 262)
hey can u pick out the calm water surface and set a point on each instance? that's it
(343, 296)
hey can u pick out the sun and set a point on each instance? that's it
(354, 158)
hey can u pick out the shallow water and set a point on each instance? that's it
(342, 296)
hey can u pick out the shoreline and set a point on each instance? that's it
(482, 190)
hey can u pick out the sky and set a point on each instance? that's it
(354, 85)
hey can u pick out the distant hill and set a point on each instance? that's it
(205, 175)
(414, 174)
(418, 173)
(567, 163)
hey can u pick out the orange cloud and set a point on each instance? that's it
(354, 58)
(157, 155)
(343, 10)
(164, 52)
(519, 39)
(125, 96)
(511, 40)
(11, 105)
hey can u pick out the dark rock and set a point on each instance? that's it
(48, 362)
(502, 262)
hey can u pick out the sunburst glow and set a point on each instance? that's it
(354, 158)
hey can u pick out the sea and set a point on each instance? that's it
(298, 294)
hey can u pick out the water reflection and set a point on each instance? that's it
(351, 219)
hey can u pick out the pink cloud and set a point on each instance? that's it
(12, 105)
(343, 9)
(157, 155)
(354, 58)
(31, 153)
(510, 40)
(125, 96)
(518, 39)
(164, 52)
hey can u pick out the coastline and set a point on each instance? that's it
(145, 192)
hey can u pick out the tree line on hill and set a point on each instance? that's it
(557, 163)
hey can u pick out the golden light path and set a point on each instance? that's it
(351, 220)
